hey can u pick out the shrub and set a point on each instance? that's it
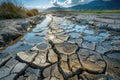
(13, 9)
(33, 12)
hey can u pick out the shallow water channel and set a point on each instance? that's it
(73, 30)
(29, 39)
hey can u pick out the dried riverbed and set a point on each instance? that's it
(65, 47)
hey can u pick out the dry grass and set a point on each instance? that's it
(32, 12)
(11, 9)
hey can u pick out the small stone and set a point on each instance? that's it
(101, 49)
(1, 41)
(97, 77)
(64, 38)
(12, 62)
(26, 26)
(78, 41)
(91, 22)
(89, 45)
(113, 55)
(113, 66)
(52, 56)
(10, 77)
(115, 42)
(21, 78)
(40, 59)
(41, 47)
(5, 70)
(65, 69)
(104, 77)
(56, 40)
(66, 48)
(31, 77)
(19, 68)
(91, 61)
(26, 57)
(53, 73)
(73, 78)
(75, 64)
(33, 71)
(59, 30)
(3, 61)
(63, 57)
(87, 76)
(74, 35)
(30, 74)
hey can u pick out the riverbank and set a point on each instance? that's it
(11, 29)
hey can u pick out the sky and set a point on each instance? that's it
(44, 4)
(49, 3)
(69, 3)
(40, 4)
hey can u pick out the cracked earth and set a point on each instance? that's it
(65, 51)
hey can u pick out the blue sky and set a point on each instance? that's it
(47, 3)
(37, 3)
(43, 4)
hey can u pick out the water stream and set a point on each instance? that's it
(75, 31)
(29, 39)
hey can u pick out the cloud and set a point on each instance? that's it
(69, 3)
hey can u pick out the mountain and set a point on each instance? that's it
(98, 5)
(94, 5)
(55, 8)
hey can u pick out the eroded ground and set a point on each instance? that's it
(66, 47)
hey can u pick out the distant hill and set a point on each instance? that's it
(94, 5)
(55, 8)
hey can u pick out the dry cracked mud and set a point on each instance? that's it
(68, 52)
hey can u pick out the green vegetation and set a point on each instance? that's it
(90, 11)
(99, 11)
(12, 9)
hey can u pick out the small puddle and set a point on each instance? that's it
(32, 38)
(42, 46)
(80, 28)
(87, 33)
(37, 35)
(103, 34)
(29, 39)
(74, 35)
(93, 38)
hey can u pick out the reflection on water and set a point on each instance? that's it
(89, 31)
(103, 34)
(93, 38)
(29, 39)
(42, 46)
(74, 35)
(84, 31)
(75, 31)
(79, 28)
